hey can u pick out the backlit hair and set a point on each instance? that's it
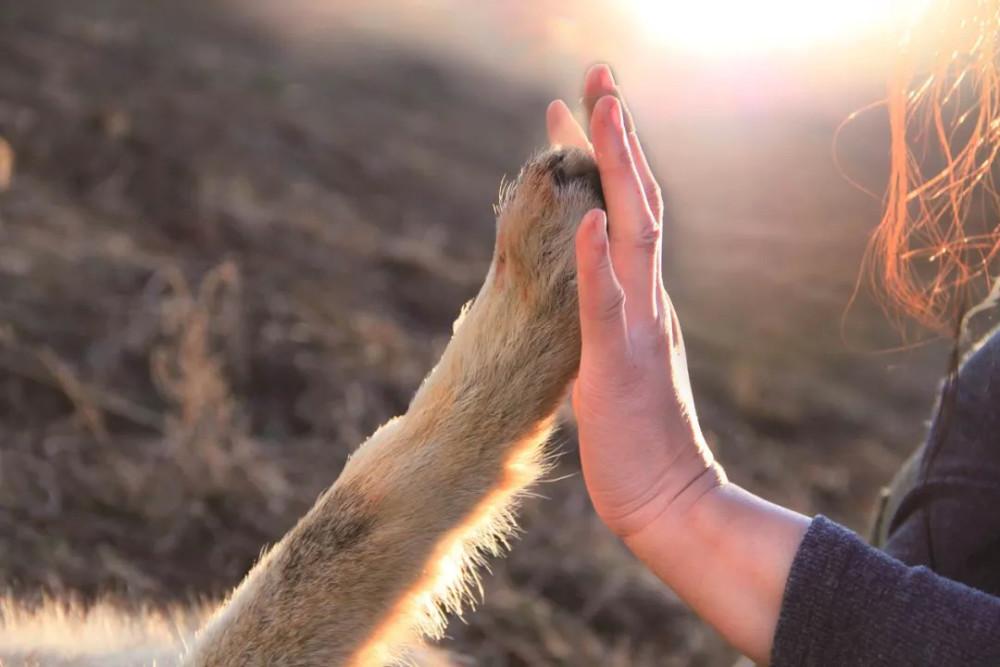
(935, 251)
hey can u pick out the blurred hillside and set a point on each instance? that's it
(225, 260)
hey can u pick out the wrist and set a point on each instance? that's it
(672, 499)
(727, 554)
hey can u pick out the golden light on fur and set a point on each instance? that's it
(58, 632)
(394, 546)
(452, 578)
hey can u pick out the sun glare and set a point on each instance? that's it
(740, 27)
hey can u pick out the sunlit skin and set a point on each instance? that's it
(647, 468)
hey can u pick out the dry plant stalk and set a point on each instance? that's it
(206, 433)
(6, 164)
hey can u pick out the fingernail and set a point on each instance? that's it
(599, 220)
(607, 78)
(615, 115)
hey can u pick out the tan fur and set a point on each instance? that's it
(393, 546)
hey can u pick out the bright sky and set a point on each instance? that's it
(690, 55)
(727, 28)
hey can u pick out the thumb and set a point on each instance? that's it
(602, 312)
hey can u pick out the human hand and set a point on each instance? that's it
(648, 470)
(642, 450)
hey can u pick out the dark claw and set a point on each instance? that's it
(566, 169)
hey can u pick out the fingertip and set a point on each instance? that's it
(592, 236)
(605, 76)
(608, 110)
(617, 114)
(562, 127)
(607, 130)
(597, 82)
(599, 225)
(601, 299)
(601, 82)
(553, 113)
(599, 75)
(593, 251)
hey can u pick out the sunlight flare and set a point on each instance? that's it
(725, 28)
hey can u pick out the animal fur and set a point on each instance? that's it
(393, 546)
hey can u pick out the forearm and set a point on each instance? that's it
(416, 504)
(727, 554)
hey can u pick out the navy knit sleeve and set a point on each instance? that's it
(847, 603)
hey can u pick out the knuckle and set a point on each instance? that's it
(657, 192)
(649, 338)
(648, 235)
(612, 307)
(654, 195)
(594, 268)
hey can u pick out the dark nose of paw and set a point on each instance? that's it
(575, 166)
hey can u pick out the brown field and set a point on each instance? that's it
(223, 263)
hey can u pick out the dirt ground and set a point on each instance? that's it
(223, 264)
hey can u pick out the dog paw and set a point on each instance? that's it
(537, 219)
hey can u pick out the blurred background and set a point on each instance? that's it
(234, 235)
